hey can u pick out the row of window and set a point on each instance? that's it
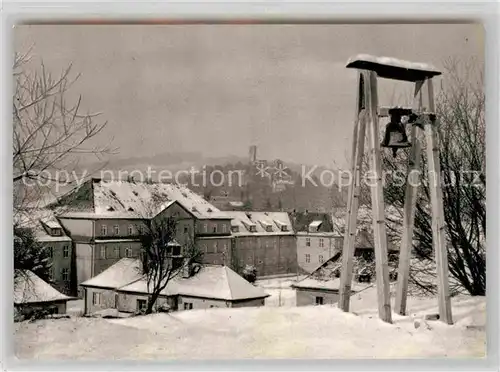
(214, 247)
(131, 230)
(116, 230)
(321, 242)
(320, 258)
(215, 229)
(50, 251)
(116, 252)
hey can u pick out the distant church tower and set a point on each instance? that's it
(252, 154)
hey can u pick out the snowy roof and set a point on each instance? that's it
(274, 220)
(121, 273)
(212, 281)
(35, 219)
(315, 224)
(29, 288)
(331, 285)
(392, 68)
(132, 199)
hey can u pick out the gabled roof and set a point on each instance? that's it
(132, 199)
(121, 273)
(39, 220)
(29, 288)
(212, 281)
(330, 284)
(303, 220)
(274, 221)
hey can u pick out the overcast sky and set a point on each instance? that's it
(217, 89)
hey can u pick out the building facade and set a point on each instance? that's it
(315, 248)
(124, 288)
(317, 241)
(106, 218)
(265, 240)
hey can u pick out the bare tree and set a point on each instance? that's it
(50, 133)
(163, 259)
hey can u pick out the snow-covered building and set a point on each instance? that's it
(123, 287)
(105, 218)
(265, 240)
(316, 239)
(31, 294)
(50, 234)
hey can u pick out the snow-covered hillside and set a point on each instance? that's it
(266, 332)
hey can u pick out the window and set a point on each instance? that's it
(319, 300)
(56, 232)
(214, 229)
(51, 275)
(50, 252)
(96, 298)
(128, 252)
(321, 243)
(104, 230)
(141, 305)
(224, 228)
(116, 229)
(117, 251)
(308, 258)
(216, 247)
(225, 247)
(103, 252)
(116, 301)
(205, 227)
(66, 251)
(186, 229)
(176, 251)
(65, 274)
(320, 258)
(339, 242)
(210, 248)
(308, 242)
(188, 305)
(130, 230)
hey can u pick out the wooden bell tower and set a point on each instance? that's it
(371, 68)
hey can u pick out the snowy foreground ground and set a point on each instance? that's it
(268, 332)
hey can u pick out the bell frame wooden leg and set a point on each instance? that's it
(438, 229)
(411, 191)
(353, 198)
(379, 228)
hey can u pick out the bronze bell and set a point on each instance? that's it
(395, 134)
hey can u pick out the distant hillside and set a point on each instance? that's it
(257, 192)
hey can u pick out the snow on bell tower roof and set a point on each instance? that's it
(392, 68)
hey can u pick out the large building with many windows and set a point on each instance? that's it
(265, 240)
(105, 218)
